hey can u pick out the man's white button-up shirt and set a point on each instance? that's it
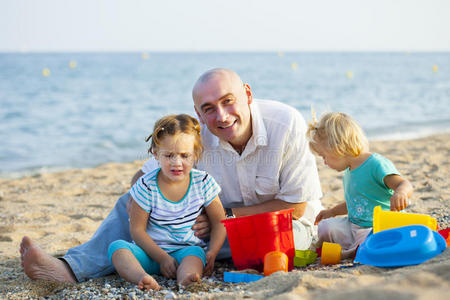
(276, 162)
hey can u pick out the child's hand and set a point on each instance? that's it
(399, 201)
(210, 259)
(402, 191)
(169, 267)
(324, 214)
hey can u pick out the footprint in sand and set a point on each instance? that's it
(4, 238)
(80, 216)
(97, 206)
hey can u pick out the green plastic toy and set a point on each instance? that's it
(303, 258)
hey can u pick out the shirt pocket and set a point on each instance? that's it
(266, 187)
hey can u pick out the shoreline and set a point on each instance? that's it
(61, 210)
(388, 138)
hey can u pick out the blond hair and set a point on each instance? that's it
(172, 125)
(338, 132)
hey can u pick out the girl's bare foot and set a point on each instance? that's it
(147, 282)
(37, 264)
(189, 279)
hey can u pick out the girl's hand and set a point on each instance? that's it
(399, 201)
(210, 259)
(324, 214)
(169, 267)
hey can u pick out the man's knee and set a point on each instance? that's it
(123, 200)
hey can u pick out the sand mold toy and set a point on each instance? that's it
(252, 237)
(445, 234)
(402, 246)
(383, 219)
(275, 261)
(303, 258)
(240, 277)
(331, 253)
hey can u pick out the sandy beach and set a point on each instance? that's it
(62, 210)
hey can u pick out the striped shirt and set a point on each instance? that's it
(170, 223)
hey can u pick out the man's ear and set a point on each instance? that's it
(199, 116)
(248, 92)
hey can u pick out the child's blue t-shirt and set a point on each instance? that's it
(364, 189)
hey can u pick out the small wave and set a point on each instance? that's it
(409, 131)
(32, 172)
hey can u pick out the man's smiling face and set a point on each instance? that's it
(222, 102)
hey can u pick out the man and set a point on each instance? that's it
(255, 149)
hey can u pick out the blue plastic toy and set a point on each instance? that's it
(402, 246)
(240, 277)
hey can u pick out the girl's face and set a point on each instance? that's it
(176, 156)
(331, 159)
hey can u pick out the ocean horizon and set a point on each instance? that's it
(77, 110)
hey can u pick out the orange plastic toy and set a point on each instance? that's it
(275, 261)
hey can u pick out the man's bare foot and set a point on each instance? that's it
(147, 282)
(189, 279)
(37, 264)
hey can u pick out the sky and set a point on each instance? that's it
(230, 25)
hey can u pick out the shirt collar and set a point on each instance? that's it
(259, 136)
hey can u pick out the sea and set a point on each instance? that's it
(77, 110)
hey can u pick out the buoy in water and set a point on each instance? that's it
(145, 56)
(72, 64)
(350, 74)
(294, 66)
(435, 68)
(46, 72)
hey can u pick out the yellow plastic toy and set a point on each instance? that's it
(383, 220)
(331, 253)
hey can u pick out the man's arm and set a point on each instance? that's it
(271, 205)
(298, 175)
(136, 176)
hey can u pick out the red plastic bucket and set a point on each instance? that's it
(251, 237)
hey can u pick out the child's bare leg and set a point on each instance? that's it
(190, 270)
(131, 270)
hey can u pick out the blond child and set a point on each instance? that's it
(165, 204)
(369, 180)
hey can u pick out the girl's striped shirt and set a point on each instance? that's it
(170, 223)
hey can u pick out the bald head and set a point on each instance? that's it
(218, 74)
